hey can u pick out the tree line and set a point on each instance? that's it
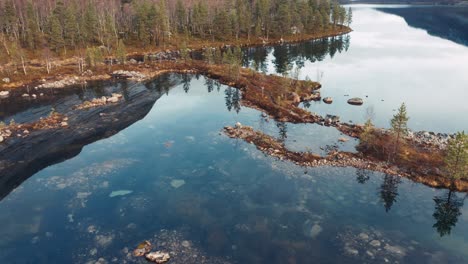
(61, 26)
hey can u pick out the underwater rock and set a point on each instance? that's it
(142, 249)
(119, 193)
(103, 240)
(375, 243)
(185, 243)
(364, 236)
(316, 230)
(158, 257)
(396, 250)
(177, 183)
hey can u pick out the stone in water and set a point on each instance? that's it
(177, 183)
(120, 193)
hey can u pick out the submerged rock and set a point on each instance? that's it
(177, 183)
(158, 257)
(355, 101)
(142, 249)
(316, 230)
(120, 193)
(375, 243)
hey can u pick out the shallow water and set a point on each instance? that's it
(173, 177)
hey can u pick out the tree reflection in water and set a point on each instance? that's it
(389, 190)
(446, 212)
(287, 55)
(283, 131)
(232, 97)
(362, 175)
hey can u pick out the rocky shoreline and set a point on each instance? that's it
(272, 147)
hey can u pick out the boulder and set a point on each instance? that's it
(112, 99)
(6, 80)
(142, 249)
(4, 94)
(328, 100)
(238, 125)
(1, 139)
(158, 257)
(355, 101)
(332, 119)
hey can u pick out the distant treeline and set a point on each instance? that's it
(58, 26)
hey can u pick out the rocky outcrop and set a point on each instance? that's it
(61, 83)
(439, 140)
(21, 157)
(355, 101)
(133, 75)
(100, 101)
(331, 120)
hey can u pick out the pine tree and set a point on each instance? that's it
(121, 52)
(283, 20)
(223, 29)
(181, 17)
(33, 31)
(55, 34)
(367, 136)
(399, 125)
(89, 25)
(456, 159)
(70, 27)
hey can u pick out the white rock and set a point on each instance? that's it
(6, 80)
(158, 257)
(4, 93)
(1, 139)
(25, 95)
(64, 124)
(238, 125)
(112, 100)
(375, 243)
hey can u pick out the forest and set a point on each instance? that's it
(50, 28)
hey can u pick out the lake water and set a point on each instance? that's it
(175, 179)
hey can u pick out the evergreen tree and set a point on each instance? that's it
(399, 125)
(33, 31)
(223, 29)
(121, 52)
(70, 26)
(180, 16)
(456, 158)
(55, 34)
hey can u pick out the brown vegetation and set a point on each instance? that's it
(415, 164)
